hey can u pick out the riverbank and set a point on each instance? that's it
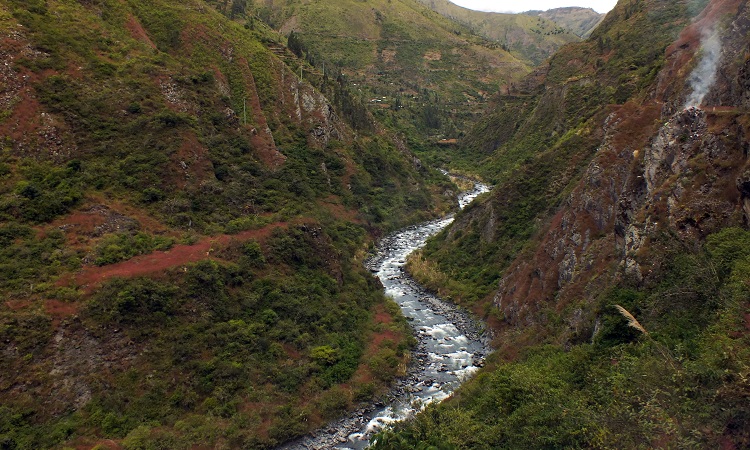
(451, 345)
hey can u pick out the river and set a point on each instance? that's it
(450, 345)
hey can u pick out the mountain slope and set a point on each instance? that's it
(530, 39)
(579, 21)
(182, 224)
(613, 265)
(421, 74)
(539, 137)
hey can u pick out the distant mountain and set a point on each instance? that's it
(533, 39)
(420, 72)
(579, 21)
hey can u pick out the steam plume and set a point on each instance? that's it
(704, 74)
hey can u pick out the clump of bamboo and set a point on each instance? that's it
(632, 322)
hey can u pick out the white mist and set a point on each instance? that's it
(704, 75)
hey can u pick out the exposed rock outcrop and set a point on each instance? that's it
(743, 185)
(683, 173)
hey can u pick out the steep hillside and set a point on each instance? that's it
(539, 137)
(420, 73)
(613, 259)
(532, 38)
(182, 223)
(579, 21)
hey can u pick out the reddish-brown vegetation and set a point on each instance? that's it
(87, 444)
(260, 136)
(379, 338)
(59, 310)
(16, 305)
(383, 336)
(90, 276)
(680, 53)
(637, 124)
(190, 164)
(333, 204)
(137, 32)
(98, 216)
(382, 316)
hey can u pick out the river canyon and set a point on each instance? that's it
(451, 345)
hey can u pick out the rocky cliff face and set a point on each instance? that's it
(660, 169)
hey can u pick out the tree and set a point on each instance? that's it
(238, 7)
(294, 43)
(432, 116)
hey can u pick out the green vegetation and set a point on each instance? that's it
(531, 39)
(656, 360)
(274, 160)
(243, 355)
(31, 262)
(42, 191)
(139, 125)
(420, 74)
(469, 258)
(122, 246)
(683, 385)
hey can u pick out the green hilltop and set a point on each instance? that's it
(419, 73)
(580, 21)
(531, 39)
(424, 69)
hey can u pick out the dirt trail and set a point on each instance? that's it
(91, 276)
